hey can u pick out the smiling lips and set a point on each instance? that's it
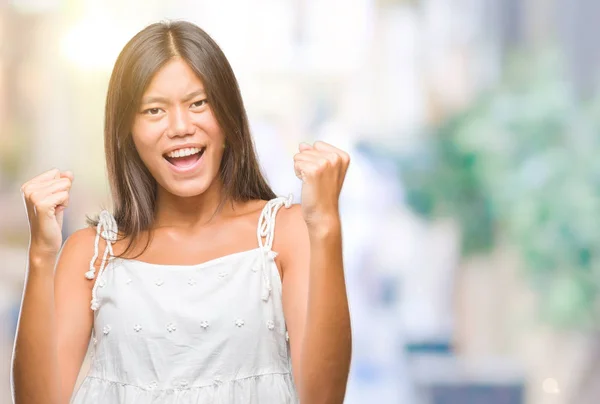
(184, 159)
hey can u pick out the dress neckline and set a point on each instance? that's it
(210, 262)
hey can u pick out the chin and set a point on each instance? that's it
(187, 191)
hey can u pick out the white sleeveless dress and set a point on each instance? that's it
(207, 333)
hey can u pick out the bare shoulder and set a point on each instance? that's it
(290, 221)
(80, 241)
(291, 234)
(77, 251)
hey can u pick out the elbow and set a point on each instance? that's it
(324, 395)
(24, 390)
(17, 383)
(328, 387)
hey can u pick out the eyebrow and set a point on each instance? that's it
(162, 100)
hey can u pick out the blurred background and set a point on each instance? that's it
(471, 206)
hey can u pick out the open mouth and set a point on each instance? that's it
(183, 158)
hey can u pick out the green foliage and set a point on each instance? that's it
(523, 163)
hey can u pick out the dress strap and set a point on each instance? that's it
(266, 230)
(108, 230)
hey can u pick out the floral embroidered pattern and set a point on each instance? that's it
(182, 384)
(171, 327)
(239, 322)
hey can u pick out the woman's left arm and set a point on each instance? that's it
(314, 290)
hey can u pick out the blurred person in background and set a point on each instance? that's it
(188, 296)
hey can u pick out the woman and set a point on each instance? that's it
(189, 293)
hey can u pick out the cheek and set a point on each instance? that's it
(209, 123)
(142, 147)
(145, 137)
(147, 153)
(218, 156)
(218, 141)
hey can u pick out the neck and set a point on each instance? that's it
(176, 211)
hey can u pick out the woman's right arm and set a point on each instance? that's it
(55, 320)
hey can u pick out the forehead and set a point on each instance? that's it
(174, 78)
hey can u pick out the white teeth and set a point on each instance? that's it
(183, 152)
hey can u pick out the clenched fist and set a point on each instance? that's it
(46, 196)
(322, 169)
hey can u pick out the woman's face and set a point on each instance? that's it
(175, 132)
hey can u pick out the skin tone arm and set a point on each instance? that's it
(55, 320)
(314, 291)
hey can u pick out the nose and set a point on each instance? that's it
(180, 123)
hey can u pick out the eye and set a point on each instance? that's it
(198, 104)
(152, 111)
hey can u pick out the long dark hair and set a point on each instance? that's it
(132, 186)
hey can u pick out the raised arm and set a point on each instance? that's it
(55, 319)
(314, 290)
